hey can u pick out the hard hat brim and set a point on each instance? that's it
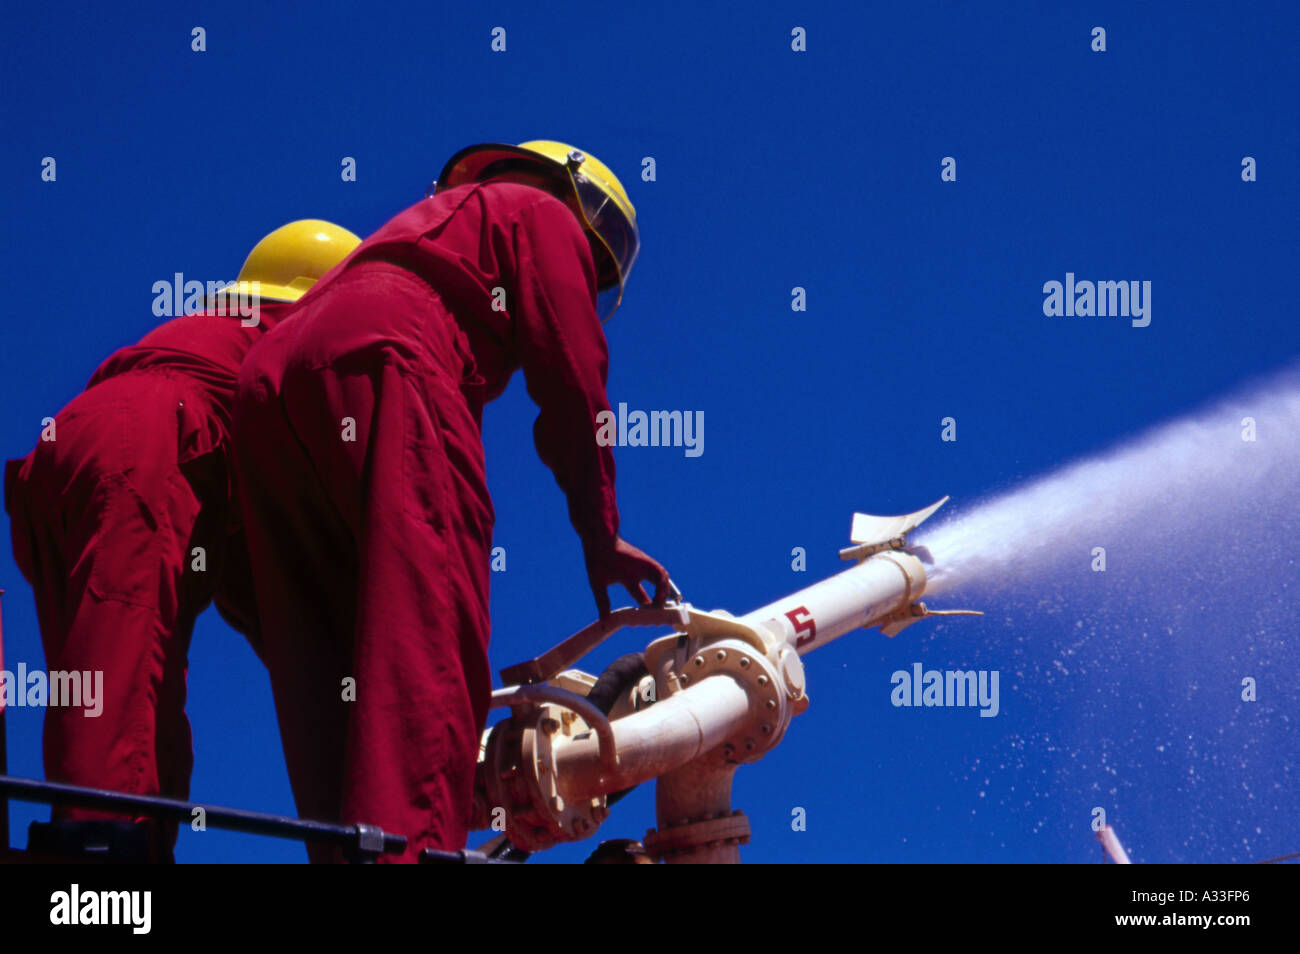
(265, 292)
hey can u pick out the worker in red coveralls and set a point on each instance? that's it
(124, 523)
(362, 474)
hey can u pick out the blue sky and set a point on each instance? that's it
(775, 169)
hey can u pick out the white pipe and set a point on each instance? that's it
(653, 742)
(676, 730)
(859, 596)
(694, 793)
(1110, 843)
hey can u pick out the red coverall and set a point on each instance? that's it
(104, 518)
(364, 493)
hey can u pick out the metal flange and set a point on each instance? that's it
(770, 705)
(732, 829)
(518, 778)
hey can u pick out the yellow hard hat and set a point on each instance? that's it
(583, 182)
(293, 258)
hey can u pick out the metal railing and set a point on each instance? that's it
(360, 843)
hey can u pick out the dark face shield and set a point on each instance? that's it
(615, 232)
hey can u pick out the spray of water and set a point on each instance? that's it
(1181, 489)
(1129, 689)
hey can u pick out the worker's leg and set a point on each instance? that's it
(420, 656)
(417, 679)
(303, 562)
(107, 522)
(369, 526)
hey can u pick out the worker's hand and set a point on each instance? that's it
(620, 562)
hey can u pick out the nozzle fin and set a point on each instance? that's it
(872, 534)
(895, 623)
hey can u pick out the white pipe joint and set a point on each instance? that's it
(774, 691)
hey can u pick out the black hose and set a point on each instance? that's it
(623, 673)
(620, 677)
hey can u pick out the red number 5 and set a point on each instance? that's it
(803, 624)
